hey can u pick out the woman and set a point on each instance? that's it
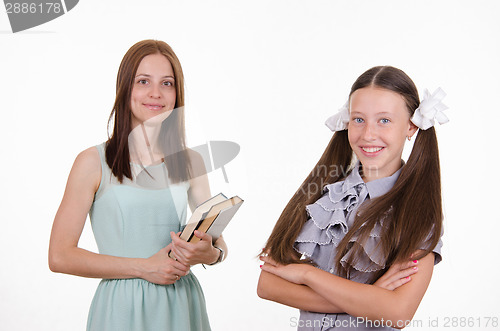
(375, 215)
(135, 188)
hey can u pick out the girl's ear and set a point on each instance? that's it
(412, 128)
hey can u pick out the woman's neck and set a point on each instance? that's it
(143, 144)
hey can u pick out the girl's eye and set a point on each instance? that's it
(358, 120)
(168, 83)
(142, 81)
(384, 120)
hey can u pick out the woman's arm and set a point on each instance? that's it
(199, 188)
(66, 257)
(274, 288)
(199, 192)
(361, 300)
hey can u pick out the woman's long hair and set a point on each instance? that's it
(412, 209)
(117, 149)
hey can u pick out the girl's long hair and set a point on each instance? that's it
(117, 149)
(412, 209)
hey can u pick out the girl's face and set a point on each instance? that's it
(153, 91)
(378, 126)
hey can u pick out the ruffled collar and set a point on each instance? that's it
(328, 222)
(376, 188)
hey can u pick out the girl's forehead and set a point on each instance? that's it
(372, 99)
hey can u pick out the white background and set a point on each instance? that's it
(265, 74)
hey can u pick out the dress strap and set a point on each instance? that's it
(106, 175)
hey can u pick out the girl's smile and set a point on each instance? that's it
(378, 126)
(371, 151)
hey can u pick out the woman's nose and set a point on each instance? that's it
(154, 92)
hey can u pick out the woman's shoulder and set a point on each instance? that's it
(89, 157)
(193, 155)
(87, 166)
(197, 163)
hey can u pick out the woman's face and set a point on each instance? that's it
(153, 91)
(378, 126)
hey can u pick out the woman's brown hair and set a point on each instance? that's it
(412, 209)
(117, 149)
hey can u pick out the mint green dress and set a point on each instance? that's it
(129, 220)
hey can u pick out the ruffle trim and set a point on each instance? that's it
(327, 224)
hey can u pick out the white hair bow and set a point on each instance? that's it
(339, 121)
(430, 109)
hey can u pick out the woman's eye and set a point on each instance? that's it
(142, 81)
(358, 120)
(384, 120)
(168, 83)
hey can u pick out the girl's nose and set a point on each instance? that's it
(369, 132)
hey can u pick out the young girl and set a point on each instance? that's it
(136, 188)
(371, 227)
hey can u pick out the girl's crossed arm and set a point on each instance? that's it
(361, 300)
(275, 288)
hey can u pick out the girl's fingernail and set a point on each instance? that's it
(261, 266)
(408, 277)
(415, 268)
(415, 261)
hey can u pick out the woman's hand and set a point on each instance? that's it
(194, 253)
(397, 275)
(294, 273)
(163, 270)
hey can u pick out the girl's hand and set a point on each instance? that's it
(161, 269)
(397, 275)
(194, 253)
(294, 273)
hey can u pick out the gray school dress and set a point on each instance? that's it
(329, 220)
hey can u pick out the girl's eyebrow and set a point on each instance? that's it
(146, 75)
(380, 113)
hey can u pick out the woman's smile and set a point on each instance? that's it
(153, 91)
(153, 106)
